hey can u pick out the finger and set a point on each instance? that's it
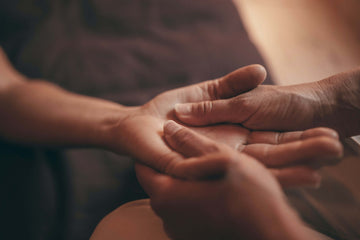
(297, 177)
(285, 137)
(151, 180)
(239, 81)
(206, 104)
(320, 131)
(200, 164)
(322, 150)
(210, 112)
(200, 168)
(193, 168)
(157, 184)
(186, 141)
(232, 135)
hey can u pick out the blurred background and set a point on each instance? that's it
(130, 50)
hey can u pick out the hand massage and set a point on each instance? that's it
(140, 120)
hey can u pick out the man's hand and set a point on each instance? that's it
(333, 102)
(291, 155)
(245, 203)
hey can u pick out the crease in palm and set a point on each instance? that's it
(151, 149)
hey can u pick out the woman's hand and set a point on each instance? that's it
(246, 202)
(40, 113)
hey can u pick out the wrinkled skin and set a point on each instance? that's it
(333, 102)
(290, 155)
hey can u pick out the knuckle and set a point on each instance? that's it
(212, 89)
(204, 107)
(240, 103)
(279, 137)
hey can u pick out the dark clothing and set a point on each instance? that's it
(125, 51)
(115, 49)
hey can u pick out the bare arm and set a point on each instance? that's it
(38, 112)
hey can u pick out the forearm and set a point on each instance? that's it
(37, 112)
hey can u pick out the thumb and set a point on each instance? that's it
(201, 161)
(234, 83)
(218, 107)
(240, 81)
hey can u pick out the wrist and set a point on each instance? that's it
(115, 131)
(340, 103)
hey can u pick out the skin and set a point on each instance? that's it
(238, 205)
(246, 202)
(332, 102)
(40, 113)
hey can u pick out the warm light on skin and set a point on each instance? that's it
(303, 40)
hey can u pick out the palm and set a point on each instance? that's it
(147, 123)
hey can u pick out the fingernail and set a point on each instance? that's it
(183, 109)
(171, 127)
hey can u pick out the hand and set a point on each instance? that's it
(333, 102)
(288, 154)
(245, 203)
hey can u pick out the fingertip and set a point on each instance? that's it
(322, 147)
(258, 72)
(338, 149)
(331, 146)
(242, 80)
(321, 131)
(182, 108)
(171, 127)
